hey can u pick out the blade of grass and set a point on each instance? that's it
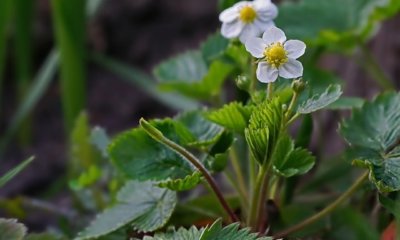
(69, 27)
(38, 87)
(144, 82)
(24, 11)
(13, 172)
(5, 10)
(36, 91)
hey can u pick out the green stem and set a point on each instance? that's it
(158, 136)
(326, 210)
(238, 171)
(253, 76)
(270, 90)
(291, 105)
(254, 207)
(252, 172)
(371, 66)
(292, 119)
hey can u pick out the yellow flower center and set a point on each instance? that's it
(275, 54)
(247, 14)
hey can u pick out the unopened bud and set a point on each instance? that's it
(298, 85)
(151, 130)
(243, 82)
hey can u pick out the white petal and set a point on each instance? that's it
(261, 4)
(231, 29)
(291, 69)
(262, 26)
(269, 13)
(266, 73)
(295, 48)
(229, 14)
(273, 35)
(248, 31)
(255, 46)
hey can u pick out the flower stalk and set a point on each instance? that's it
(159, 137)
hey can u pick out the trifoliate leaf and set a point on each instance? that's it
(181, 234)
(289, 161)
(374, 132)
(214, 47)
(233, 116)
(187, 67)
(231, 232)
(319, 101)
(203, 131)
(187, 183)
(264, 129)
(139, 157)
(11, 229)
(142, 204)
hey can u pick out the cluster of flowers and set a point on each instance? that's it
(252, 22)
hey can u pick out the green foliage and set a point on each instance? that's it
(147, 84)
(392, 205)
(187, 183)
(187, 67)
(341, 23)
(181, 234)
(43, 236)
(10, 229)
(142, 204)
(69, 23)
(231, 232)
(233, 116)
(203, 132)
(82, 154)
(206, 88)
(214, 47)
(140, 157)
(264, 129)
(36, 91)
(289, 161)
(345, 103)
(100, 139)
(13, 172)
(320, 101)
(373, 131)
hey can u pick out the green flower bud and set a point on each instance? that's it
(243, 82)
(298, 85)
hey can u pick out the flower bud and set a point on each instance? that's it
(298, 85)
(151, 130)
(243, 82)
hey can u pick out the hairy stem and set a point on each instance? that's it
(254, 207)
(158, 136)
(326, 210)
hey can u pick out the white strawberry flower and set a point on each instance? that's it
(276, 55)
(247, 18)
